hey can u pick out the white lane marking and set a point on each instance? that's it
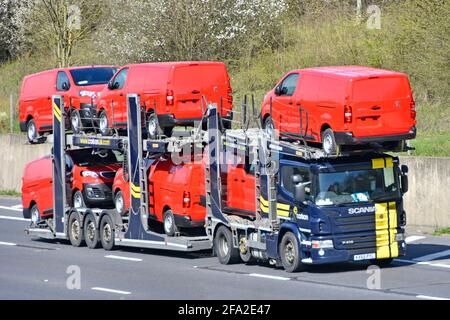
(426, 263)
(7, 244)
(111, 290)
(122, 258)
(431, 298)
(414, 238)
(433, 256)
(10, 208)
(258, 275)
(18, 206)
(14, 218)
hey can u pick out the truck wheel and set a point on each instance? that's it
(223, 246)
(35, 215)
(119, 202)
(75, 230)
(32, 132)
(78, 200)
(170, 227)
(382, 262)
(329, 142)
(107, 233)
(153, 128)
(290, 253)
(91, 234)
(104, 124)
(75, 122)
(269, 126)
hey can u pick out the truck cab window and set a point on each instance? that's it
(287, 172)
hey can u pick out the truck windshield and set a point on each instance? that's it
(344, 187)
(92, 76)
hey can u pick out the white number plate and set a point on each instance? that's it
(366, 256)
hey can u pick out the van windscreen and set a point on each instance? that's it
(378, 89)
(92, 76)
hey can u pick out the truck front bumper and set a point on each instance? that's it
(347, 138)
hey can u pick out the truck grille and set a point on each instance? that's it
(348, 242)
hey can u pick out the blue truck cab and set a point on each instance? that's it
(339, 210)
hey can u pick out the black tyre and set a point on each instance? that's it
(170, 227)
(223, 246)
(290, 253)
(75, 230)
(107, 232)
(78, 200)
(269, 126)
(119, 203)
(75, 122)
(382, 262)
(91, 233)
(153, 128)
(246, 257)
(329, 142)
(32, 132)
(104, 124)
(35, 214)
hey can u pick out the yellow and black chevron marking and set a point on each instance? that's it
(135, 191)
(57, 112)
(381, 163)
(386, 229)
(282, 209)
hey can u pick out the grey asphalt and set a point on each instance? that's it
(37, 269)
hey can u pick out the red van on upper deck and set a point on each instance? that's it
(170, 92)
(342, 106)
(78, 85)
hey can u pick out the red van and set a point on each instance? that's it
(170, 92)
(177, 193)
(346, 105)
(90, 177)
(78, 85)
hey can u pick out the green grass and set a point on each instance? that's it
(10, 193)
(432, 144)
(442, 231)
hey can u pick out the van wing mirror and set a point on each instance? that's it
(111, 85)
(278, 91)
(65, 86)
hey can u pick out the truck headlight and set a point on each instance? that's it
(322, 244)
(400, 237)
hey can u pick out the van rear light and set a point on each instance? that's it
(230, 95)
(413, 109)
(186, 199)
(348, 114)
(170, 97)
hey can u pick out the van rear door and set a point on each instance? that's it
(381, 106)
(191, 82)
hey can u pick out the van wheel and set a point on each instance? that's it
(103, 124)
(107, 233)
(119, 202)
(223, 246)
(170, 227)
(35, 215)
(75, 122)
(329, 142)
(32, 132)
(78, 200)
(269, 126)
(290, 253)
(91, 235)
(153, 128)
(75, 230)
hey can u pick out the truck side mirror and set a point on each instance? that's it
(299, 188)
(404, 179)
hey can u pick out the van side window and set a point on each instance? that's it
(289, 85)
(119, 80)
(62, 81)
(287, 172)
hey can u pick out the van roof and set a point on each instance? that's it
(67, 69)
(352, 72)
(174, 64)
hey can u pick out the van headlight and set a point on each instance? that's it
(91, 174)
(322, 244)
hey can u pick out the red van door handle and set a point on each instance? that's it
(376, 108)
(195, 92)
(291, 103)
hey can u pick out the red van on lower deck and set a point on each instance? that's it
(177, 193)
(342, 106)
(78, 85)
(89, 182)
(170, 92)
